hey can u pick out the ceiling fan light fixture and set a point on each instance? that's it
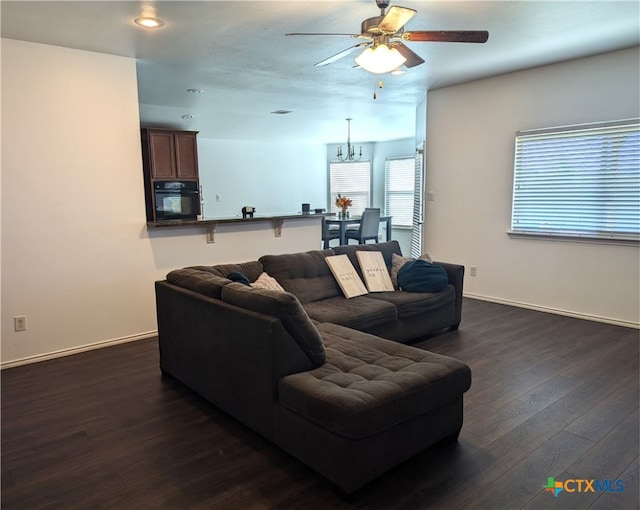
(380, 59)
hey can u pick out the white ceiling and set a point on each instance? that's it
(237, 53)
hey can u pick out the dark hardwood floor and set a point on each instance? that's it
(551, 397)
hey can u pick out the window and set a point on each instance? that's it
(352, 180)
(399, 181)
(578, 181)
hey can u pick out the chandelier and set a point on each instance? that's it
(350, 155)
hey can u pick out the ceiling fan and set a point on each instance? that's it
(384, 50)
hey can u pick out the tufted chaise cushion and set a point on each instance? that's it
(369, 384)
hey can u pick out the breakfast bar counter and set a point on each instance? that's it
(210, 224)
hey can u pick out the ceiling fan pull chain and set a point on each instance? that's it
(379, 85)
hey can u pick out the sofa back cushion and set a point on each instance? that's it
(194, 279)
(284, 306)
(306, 275)
(252, 270)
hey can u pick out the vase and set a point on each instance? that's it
(345, 212)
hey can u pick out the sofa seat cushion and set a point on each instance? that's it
(286, 307)
(307, 275)
(414, 303)
(359, 312)
(369, 384)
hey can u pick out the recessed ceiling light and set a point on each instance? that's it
(281, 112)
(195, 91)
(148, 22)
(188, 116)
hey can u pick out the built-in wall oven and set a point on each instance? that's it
(176, 200)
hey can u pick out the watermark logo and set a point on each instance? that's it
(555, 487)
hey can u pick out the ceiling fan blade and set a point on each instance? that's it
(413, 59)
(322, 33)
(340, 55)
(465, 36)
(395, 19)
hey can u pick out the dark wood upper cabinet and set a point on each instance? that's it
(186, 155)
(170, 154)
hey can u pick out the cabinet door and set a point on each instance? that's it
(186, 155)
(162, 155)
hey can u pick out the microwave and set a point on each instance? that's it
(176, 200)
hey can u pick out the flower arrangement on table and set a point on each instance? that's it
(343, 203)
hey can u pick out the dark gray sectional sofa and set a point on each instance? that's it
(326, 378)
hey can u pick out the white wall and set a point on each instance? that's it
(77, 258)
(275, 178)
(470, 153)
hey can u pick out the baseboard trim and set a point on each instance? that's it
(76, 350)
(556, 311)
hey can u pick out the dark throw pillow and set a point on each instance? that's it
(422, 276)
(236, 276)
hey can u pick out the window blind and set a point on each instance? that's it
(352, 180)
(399, 182)
(578, 181)
(416, 232)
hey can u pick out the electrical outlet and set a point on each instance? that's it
(20, 322)
(218, 198)
(473, 270)
(431, 196)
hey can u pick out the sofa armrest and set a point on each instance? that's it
(455, 272)
(231, 356)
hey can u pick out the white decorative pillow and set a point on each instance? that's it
(425, 256)
(396, 263)
(265, 281)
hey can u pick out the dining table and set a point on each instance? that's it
(354, 221)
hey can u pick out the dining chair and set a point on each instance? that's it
(355, 226)
(328, 234)
(369, 227)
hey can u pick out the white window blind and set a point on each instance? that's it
(399, 185)
(416, 231)
(352, 180)
(578, 181)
